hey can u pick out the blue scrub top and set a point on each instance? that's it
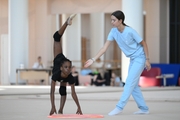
(128, 41)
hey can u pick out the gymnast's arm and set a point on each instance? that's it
(53, 107)
(74, 96)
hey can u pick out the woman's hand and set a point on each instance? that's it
(148, 65)
(88, 63)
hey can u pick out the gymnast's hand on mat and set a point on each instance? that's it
(79, 111)
(88, 63)
(53, 110)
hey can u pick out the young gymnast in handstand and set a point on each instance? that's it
(62, 72)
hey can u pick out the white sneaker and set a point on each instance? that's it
(140, 112)
(115, 112)
(69, 21)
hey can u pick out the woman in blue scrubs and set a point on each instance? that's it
(135, 48)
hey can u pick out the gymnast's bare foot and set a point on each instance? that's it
(69, 20)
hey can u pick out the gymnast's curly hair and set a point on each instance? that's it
(65, 60)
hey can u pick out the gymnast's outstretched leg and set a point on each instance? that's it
(57, 36)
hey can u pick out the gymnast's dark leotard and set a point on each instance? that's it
(56, 72)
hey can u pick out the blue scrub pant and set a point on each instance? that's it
(136, 67)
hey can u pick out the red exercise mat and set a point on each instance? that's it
(76, 116)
